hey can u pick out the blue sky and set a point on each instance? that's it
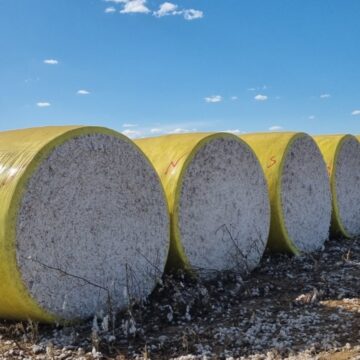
(149, 67)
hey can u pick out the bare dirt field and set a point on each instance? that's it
(304, 307)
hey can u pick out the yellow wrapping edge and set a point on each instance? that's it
(289, 244)
(183, 261)
(29, 305)
(337, 226)
(279, 239)
(180, 251)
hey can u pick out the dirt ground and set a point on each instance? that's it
(304, 307)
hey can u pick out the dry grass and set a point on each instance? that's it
(296, 308)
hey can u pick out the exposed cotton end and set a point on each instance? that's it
(346, 185)
(92, 228)
(223, 212)
(305, 195)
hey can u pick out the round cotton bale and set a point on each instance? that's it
(299, 190)
(218, 201)
(84, 225)
(342, 156)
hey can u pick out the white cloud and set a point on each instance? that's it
(43, 104)
(109, 10)
(31, 80)
(167, 8)
(235, 131)
(213, 99)
(355, 112)
(325, 96)
(51, 61)
(192, 14)
(258, 88)
(132, 133)
(275, 128)
(312, 117)
(129, 125)
(83, 92)
(234, 98)
(156, 131)
(181, 131)
(260, 97)
(135, 6)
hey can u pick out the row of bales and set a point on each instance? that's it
(90, 220)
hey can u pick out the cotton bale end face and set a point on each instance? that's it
(299, 190)
(85, 223)
(218, 199)
(342, 155)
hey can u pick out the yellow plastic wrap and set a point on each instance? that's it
(271, 150)
(21, 152)
(330, 146)
(170, 155)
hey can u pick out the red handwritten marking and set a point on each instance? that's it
(173, 164)
(273, 162)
